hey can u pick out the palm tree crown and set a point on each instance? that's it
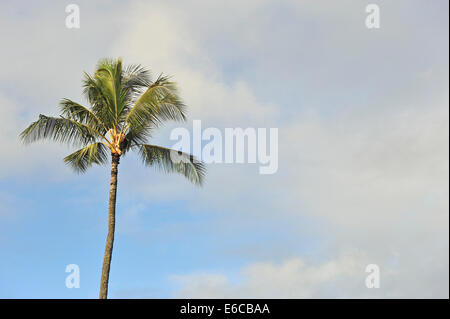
(125, 107)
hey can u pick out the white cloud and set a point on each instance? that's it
(293, 278)
(161, 37)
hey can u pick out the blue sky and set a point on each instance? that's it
(363, 151)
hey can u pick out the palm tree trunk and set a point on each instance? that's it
(111, 226)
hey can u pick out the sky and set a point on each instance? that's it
(363, 135)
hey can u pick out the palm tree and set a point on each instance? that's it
(125, 107)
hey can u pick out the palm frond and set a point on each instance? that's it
(160, 157)
(110, 74)
(93, 92)
(136, 136)
(60, 129)
(135, 76)
(136, 79)
(159, 103)
(82, 114)
(81, 160)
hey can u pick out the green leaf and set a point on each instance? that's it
(82, 114)
(159, 103)
(81, 160)
(158, 156)
(60, 130)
